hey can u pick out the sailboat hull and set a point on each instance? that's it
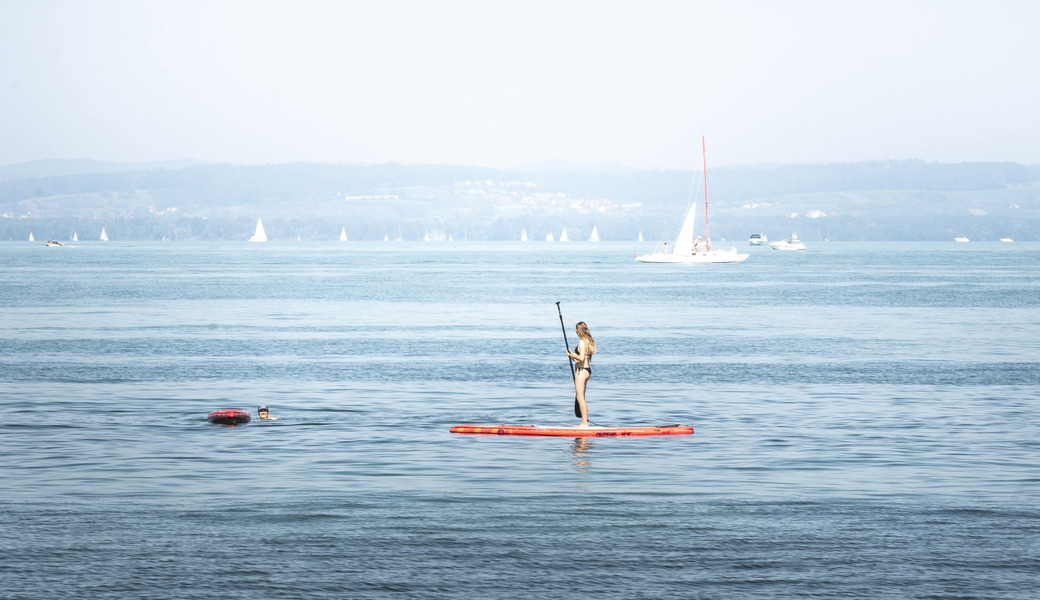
(715, 256)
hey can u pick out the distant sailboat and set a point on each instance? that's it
(104, 236)
(259, 235)
(563, 236)
(687, 250)
(640, 236)
(426, 236)
(595, 235)
(386, 238)
(549, 237)
(343, 234)
(523, 235)
(31, 238)
(75, 237)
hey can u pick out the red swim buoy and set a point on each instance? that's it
(229, 417)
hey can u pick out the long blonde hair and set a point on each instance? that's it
(583, 333)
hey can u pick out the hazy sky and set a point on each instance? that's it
(508, 83)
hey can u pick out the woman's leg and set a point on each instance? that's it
(581, 378)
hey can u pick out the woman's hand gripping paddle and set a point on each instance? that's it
(567, 345)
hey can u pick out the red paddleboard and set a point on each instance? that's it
(229, 417)
(572, 431)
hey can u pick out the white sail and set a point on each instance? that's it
(549, 237)
(595, 235)
(563, 236)
(104, 236)
(259, 235)
(31, 238)
(75, 237)
(684, 243)
(386, 237)
(523, 235)
(640, 236)
(343, 234)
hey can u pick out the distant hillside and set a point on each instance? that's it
(887, 200)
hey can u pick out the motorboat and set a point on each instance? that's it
(791, 243)
(756, 239)
(962, 239)
(54, 243)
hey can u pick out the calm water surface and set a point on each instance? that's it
(865, 415)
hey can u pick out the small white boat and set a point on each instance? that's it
(792, 243)
(756, 239)
(687, 250)
(1006, 240)
(549, 237)
(595, 235)
(31, 238)
(563, 236)
(523, 235)
(75, 237)
(343, 234)
(104, 236)
(54, 243)
(640, 236)
(962, 239)
(258, 236)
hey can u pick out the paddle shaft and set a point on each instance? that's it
(570, 361)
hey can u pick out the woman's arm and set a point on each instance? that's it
(580, 356)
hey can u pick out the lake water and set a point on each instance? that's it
(865, 414)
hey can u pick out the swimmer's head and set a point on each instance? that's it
(262, 412)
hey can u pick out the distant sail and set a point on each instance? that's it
(563, 236)
(259, 235)
(343, 234)
(31, 238)
(595, 235)
(523, 235)
(386, 238)
(104, 236)
(75, 237)
(549, 237)
(640, 236)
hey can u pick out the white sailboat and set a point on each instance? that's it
(595, 235)
(31, 238)
(386, 237)
(523, 235)
(549, 237)
(688, 251)
(343, 234)
(104, 236)
(75, 237)
(640, 236)
(259, 235)
(563, 236)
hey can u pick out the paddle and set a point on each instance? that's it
(570, 361)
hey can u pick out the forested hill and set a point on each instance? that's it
(882, 200)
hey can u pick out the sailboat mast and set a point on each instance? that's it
(704, 155)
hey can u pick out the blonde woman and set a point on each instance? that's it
(582, 356)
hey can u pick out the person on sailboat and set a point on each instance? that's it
(697, 245)
(582, 356)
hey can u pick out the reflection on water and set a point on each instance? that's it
(581, 459)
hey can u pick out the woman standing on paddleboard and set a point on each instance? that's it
(582, 356)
